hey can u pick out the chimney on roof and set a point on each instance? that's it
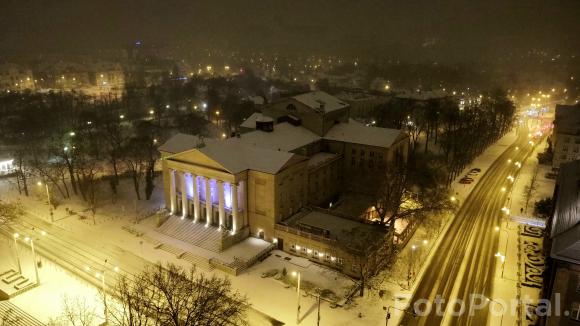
(322, 104)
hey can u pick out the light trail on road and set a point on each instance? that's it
(464, 263)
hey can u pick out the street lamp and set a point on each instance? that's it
(16, 236)
(100, 275)
(297, 274)
(388, 316)
(502, 308)
(411, 265)
(498, 254)
(39, 183)
(27, 239)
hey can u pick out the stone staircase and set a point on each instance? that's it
(15, 283)
(209, 238)
(12, 315)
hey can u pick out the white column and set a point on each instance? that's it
(195, 199)
(172, 191)
(236, 224)
(222, 211)
(183, 196)
(208, 212)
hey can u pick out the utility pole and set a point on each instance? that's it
(297, 274)
(16, 236)
(318, 297)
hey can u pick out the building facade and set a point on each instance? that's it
(562, 280)
(566, 134)
(299, 153)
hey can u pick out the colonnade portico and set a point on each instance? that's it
(202, 191)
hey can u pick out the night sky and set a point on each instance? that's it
(440, 29)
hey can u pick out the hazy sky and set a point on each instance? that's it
(454, 29)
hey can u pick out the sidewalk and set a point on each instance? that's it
(507, 282)
(544, 186)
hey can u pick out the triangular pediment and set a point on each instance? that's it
(196, 157)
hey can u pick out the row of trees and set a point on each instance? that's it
(457, 134)
(412, 189)
(164, 296)
(73, 142)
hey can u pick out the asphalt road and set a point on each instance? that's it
(75, 254)
(465, 261)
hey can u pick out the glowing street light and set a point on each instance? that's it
(29, 239)
(100, 275)
(503, 189)
(39, 183)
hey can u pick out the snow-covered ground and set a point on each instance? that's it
(544, 187)
(267, 295)
(45, 302)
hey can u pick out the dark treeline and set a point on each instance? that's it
(447, 131)
(71, 141)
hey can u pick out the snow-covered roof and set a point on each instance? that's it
(183, 142)
(337, 227)
(319, 158)
(284, 137)
(566, 221)
(567, 209)
(421, 96)
(357, 133)
(318, 99)
(250, 122)
(236, 157)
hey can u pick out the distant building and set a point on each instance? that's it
(564, 247)
(566, 134)
(6, 165)
(299, 153)
(16, 78)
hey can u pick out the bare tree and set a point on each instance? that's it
(136, 162)
(530, 190)
(77, 311)
(171, 295)
(9, 212)
(371, 250)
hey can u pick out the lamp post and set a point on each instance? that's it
(100, 275)
(498, 254)
(297, 274)
(411, 265)
(27, 239)
(39, 183)
(318, 292)
(16, 236)
(388, 316)
(501, 305)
